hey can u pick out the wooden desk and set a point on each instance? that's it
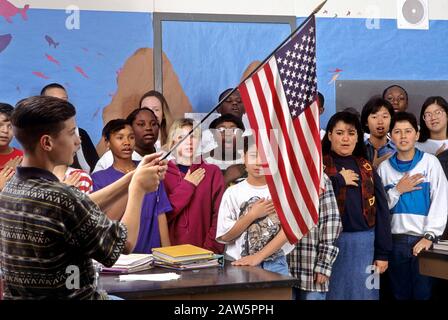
(206, 284)
(434, 263)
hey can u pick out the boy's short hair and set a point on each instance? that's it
(404, 116)
(6, 109)
(392, 86)
(227, 118)
(36, 116)
(114, 126)
(50, 86)
(373, 106)
(249, 141)
(224, 93)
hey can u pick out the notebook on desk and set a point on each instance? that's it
(129, 263)
(189, 266)
(216, 260)
(181, 253)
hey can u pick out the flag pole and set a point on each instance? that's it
(316, 10)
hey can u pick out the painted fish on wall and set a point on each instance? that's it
(4, 41)
(8, 10)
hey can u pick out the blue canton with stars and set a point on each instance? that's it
(296, 63)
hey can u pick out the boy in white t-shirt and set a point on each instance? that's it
(248, 223)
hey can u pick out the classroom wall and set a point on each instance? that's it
(204, 58)
(86, 61)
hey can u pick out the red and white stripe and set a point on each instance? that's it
(296, 173)
(85, 181)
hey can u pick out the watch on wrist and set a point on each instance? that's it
(429, 236)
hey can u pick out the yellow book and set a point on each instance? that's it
(183, 252)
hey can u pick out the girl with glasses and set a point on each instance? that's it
(433, 126)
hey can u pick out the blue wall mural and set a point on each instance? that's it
(85, 61)
(36, 48)
(210, 57)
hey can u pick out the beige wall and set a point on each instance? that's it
(438, 9)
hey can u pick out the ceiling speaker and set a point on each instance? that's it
(412, 14)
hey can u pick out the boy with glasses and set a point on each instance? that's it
(228, 132)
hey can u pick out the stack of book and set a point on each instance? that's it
(441, 245)
(185, 257)
(129, 263)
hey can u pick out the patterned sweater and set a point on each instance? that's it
(49, 234)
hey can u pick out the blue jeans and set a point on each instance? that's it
(299, 294)
(278, 265)
(405, 279)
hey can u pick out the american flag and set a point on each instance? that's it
(282, 96)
